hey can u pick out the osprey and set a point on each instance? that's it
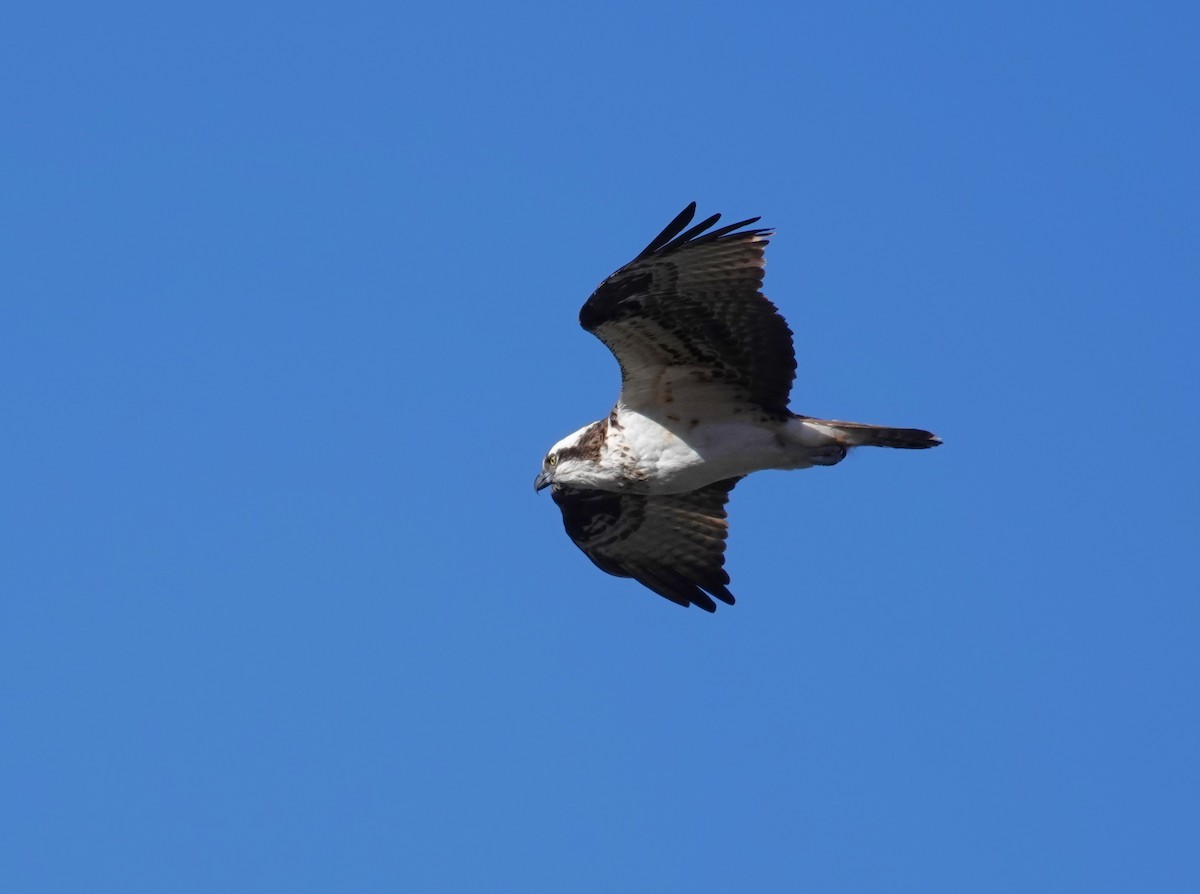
(706, 368)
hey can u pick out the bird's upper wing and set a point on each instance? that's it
(687, 321)
(673, 543)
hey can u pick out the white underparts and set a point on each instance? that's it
(660, 455)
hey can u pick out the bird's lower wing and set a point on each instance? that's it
(673, 544)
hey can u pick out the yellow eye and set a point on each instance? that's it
(552, 459)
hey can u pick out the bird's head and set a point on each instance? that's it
(573, 461)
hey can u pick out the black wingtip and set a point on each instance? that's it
(702, 599)
(673, 235)
(722, 593)
(670, 231)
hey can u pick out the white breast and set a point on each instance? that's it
(669, 456)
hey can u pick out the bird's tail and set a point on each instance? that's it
(861, 434)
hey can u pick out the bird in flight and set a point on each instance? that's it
(706, 369)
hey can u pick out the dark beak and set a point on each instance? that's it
(541, 481)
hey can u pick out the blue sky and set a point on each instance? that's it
(289, 319)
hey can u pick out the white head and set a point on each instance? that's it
(575, 460)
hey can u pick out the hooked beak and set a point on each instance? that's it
(542, 481)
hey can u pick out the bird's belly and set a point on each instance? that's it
(674, 460)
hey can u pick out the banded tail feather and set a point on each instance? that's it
(862, 434)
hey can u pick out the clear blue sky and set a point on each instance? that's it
(288, 319)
